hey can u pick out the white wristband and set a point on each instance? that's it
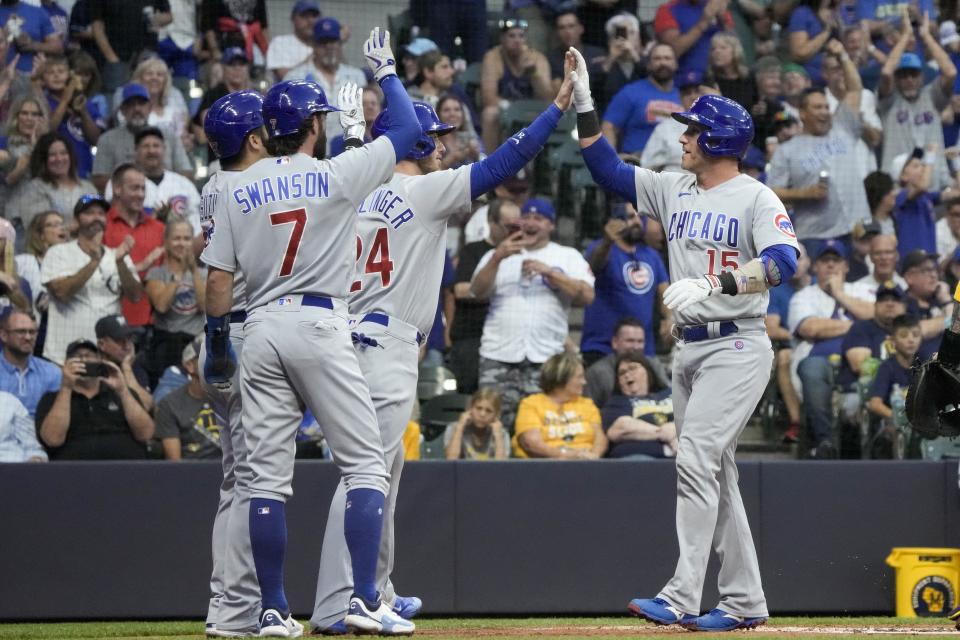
(929, 158)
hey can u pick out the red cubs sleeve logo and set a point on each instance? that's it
(784, 226)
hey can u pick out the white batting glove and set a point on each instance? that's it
(350, 102)
(379, 55)
(582, 99)
(683, 293)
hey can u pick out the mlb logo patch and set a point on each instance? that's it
(784, 226)
(284, 301)
(263, 511)
(283, 160)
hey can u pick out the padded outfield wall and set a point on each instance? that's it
(110, 540)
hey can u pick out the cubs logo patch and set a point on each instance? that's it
(178, 205)
(208, 229)
(638, 276)
(784, 226)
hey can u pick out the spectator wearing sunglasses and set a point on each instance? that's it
(511, 71)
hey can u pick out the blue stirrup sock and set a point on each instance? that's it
(268, 540)
(362, 525)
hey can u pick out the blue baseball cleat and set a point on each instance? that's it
(720, 620)
(658, 611)
(407, 607)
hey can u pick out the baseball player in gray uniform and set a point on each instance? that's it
(234, 127)
(401, 242)
(289, 225)
(729, 240)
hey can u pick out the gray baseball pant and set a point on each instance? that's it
(235, 592)
(391, 370)
(717, 383)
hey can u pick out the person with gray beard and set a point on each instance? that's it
(817, 172)
(118, 145)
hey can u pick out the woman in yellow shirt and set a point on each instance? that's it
(560, 422)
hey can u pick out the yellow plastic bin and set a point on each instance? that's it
(927, 580)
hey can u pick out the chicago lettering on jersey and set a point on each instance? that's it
(314, 184)
(392, 207)
(700, 225)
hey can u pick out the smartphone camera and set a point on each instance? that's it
(94, 370)
(620, 32)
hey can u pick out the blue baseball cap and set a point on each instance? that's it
(305, 6)
(910, 62)
(539, 206)
(691, 78)
(421, 46)
(326, 30)
(232, 54)
(832, 246)
(889, 289)
(134, 90)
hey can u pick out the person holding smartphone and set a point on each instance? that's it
(94, 415)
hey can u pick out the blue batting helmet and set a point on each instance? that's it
(429, 123)
(288, 104)
(230, 119)
(727, 127)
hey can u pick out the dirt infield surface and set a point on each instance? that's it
(518, 628)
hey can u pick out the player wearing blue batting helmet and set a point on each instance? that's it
(726, 127)
(288, 104)
(430, 123)
(230, 119)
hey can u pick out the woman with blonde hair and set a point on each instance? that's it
(14, 290)
(729, 68)
(28, 120)
(478, 434)
(45, 230)
(168, 109)
(560, 422)
(177, 291)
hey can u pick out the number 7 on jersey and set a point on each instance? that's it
(298, 218)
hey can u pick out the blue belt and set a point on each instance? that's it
(238, 317)
(316, 301)
(384, 319)
(699, 332)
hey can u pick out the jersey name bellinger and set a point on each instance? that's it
(717, 227)
(392, 207)
(313, 184)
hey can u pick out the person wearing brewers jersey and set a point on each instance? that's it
(729, 241)
(288, 225)
(401, 239)
(234, 127)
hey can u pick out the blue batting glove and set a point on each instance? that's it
(221, 361)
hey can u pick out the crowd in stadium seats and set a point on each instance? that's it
(103, 152)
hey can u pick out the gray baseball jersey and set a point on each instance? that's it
(294, 208)
(210, 198)
(716, 381)
(235, 594)
(714, 230)
(401, 241)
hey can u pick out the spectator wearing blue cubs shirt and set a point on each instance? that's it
(812, 25)
(21, 373)
(913, 212)
(31, 31)
(630, 279)
(636, 109)
(688, 26)
(58, 17)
